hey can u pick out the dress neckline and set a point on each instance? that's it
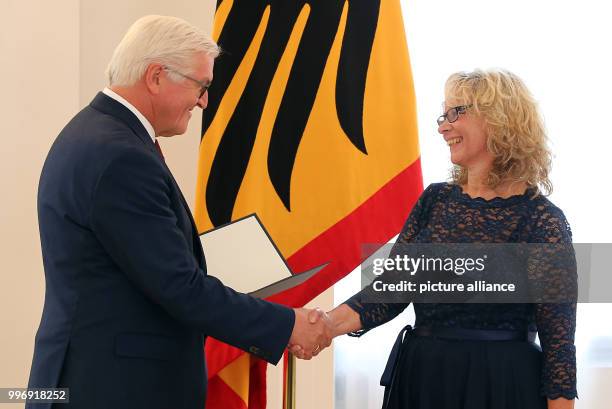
(462, 197)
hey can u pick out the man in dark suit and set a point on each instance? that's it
(128, 302)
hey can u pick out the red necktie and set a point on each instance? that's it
(159, 150)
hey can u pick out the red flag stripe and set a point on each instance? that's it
(386, 212)
(223, 396)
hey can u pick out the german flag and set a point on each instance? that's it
(311, 124)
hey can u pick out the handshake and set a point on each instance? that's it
(313, 331)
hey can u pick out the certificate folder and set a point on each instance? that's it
(243, 256)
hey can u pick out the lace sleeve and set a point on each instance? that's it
(375, 314)
(556, 321)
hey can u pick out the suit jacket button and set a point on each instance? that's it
(255, 350)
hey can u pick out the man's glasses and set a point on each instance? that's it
(203, 85)
(452, 114)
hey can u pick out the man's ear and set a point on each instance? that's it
(152, 78)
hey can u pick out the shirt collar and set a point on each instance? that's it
(145, 122)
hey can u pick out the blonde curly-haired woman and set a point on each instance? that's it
(482, 356)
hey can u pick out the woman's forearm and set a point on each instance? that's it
(344, 320)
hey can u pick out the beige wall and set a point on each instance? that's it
(40, 72)
(53, 60)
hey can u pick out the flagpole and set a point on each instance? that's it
(290, 387)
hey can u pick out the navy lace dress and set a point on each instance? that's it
(441, 374)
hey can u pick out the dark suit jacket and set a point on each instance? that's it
(128, 302)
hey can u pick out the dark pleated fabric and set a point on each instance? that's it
(442, 374)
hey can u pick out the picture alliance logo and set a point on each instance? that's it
(413, 265)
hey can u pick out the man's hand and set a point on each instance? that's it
(312, 333)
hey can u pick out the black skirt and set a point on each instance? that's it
(448, 374)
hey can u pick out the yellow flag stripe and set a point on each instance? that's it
(326, 162)
(220, 18)
(212, 137)
(256, 191)
(236, 376)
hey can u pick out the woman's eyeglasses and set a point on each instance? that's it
(452, 114)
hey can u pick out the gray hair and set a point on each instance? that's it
(165, 40)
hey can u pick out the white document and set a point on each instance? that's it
(244, 257)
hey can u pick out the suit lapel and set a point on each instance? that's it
(197, 245)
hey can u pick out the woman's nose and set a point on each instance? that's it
(444, 127)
